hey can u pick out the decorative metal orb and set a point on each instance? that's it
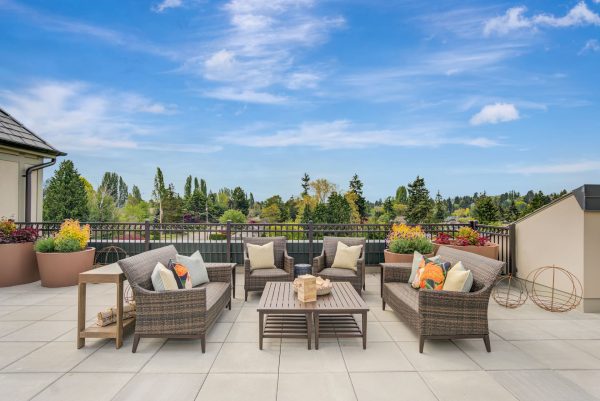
(109, 254)
(510, 292)
(547, 297)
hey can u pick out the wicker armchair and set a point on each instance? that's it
(322, 263)
(187, 313)
(255, 280)
(444, 314)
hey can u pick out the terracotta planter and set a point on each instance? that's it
(62, 269)
(489, 251)
(391, 257)
(18, 264)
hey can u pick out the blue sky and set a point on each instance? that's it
(473, 96)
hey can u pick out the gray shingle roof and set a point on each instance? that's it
(15, 134)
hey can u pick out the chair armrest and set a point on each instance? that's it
(398, 272)
(288, 263)
(318, 264)
(219, 272)
(247, 270)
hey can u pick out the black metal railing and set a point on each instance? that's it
(223, 242)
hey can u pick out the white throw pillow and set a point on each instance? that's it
(346, 256)
(196, 267)
(417, 259)
(163, 279)
(261, 256)
(458, 279)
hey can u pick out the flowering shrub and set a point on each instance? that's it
(464, 237)
(406, 239)
(443, 239)
(404, 231)
(10, 234)
(71, 237)
(7, 227)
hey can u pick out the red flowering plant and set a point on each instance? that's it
(10, 234)
(464, 237)
(442, 239)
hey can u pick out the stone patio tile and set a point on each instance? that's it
(387, 315)
(248, 314)
(246, 332)
(519, 330)
(33, 312)
(248, 387)
(378, 357)
(218, 333)
(40, 331)
(591, 347)
(466, 386)
(27, 298)
(229, 316)
(23, 386)
(4, 310)
(558, 354)
(391, 386)
(323, 387)
(12, 351)
(247, 358)
(11, 326)
(400, 331)
(84, 387)
(161, 387)
(70, 313)
(588, 380)
(504, 355)
(437, 355)
(182, 356)
(122, 360)
(52, 357)
(572, 330)
(540, 385)
(295, 357)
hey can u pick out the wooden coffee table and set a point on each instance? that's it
(282, 315)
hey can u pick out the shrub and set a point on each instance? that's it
(72, 230)
(406, 232)
(289, 232)
(217, 237)
(443, 239)
(7, 227)
(67, 245)
(234, 215)
(45, 245)
(410, 245)
(464, 237)
(10, 234)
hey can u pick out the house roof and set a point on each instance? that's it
(16, 135)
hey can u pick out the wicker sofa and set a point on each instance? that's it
(255, 280)
(187, 313)
(444, 314)
(322, 264)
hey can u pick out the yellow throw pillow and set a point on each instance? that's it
(261, 256)
(346, 256)
(458, 279)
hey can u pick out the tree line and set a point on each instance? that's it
(69, 195)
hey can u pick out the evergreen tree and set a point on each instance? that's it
(338, 209)
(306, 215)
(203, 187)
(512, 212)
(291, 208)
(440, 211)
(110, 184)
(239, 200)
(251, 200)
(356, 186)
(320, 214)
(65, 196)
(305, 184)
(486, 210)
(197, 184)
(123, 193)
(388, 207)
(136, 194)
(402, 195)
(159, 193)
(187, 189)
(102, 206)
(419, 203)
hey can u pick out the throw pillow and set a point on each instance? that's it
(417, 259)
(181, 274)
(346, 256)
(458, 279)
(162, 278)
(261, 256)
(431, 275)
(196, 267)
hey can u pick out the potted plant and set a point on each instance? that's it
(62, 257)
(469, 240)
(403, 241)
(17, 258)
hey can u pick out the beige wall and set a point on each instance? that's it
(9, 189)
(12, 184)
(592, 261)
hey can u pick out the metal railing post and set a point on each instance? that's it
(310, 242)
(228, 234)
(473, 224)
(146, 235)
(511, 265)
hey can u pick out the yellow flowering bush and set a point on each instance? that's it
(405, 232)
(406, 239)
(72, 234)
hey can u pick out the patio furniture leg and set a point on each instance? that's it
(246, 295)
(136, 341)
(486, 341)
(364, 329)
(203, 343)
(119, 339)
(81, 315)
(421, 344)
(382, 304)
(261, 318)
(316, 319)
(309, 328)
(233, 281)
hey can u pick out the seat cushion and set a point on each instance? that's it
(337, 272)
(272, 272)
(214, 291)
(404, 293)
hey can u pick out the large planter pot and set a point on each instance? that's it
(489, 251)
(18, 264)
(62, 269)
(391, 257)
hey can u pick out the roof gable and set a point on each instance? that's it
(15, 134)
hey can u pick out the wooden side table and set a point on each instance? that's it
(106, 274)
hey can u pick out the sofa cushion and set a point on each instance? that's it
(431, 275)
(405, 293)
(261, 256)
(273, 272)
(416, 263)
(458, 279)
(485, 270)
(196, 266)
(181, 274)
(337, 272)
(346, 256)
(162, 279)
(214, 291)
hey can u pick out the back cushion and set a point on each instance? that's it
(330, 246)
(138, 269)
(485, 270)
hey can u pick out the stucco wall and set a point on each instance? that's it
(592, 257)
(12, 189)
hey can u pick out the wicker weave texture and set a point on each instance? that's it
(325, 260)
(257, 282)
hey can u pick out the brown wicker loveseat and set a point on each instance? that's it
(186, 313)
(444, 314)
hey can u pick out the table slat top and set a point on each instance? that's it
(280, 297)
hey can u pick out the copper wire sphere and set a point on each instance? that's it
(108, 255)
(550, 298)
(510, 292)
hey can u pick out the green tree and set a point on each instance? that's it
(65, 196)
(323, 188)
(512, 213)
(251, 200)
(440, 211)
(402, 195)
(486, 210)
(134, 210)
(305, 184)
(356, 187)
(203, 187)
(239, 200)
(306, 215)
(338, 209)
(388, 207)
(102, 206)
(110, 183)
(321, 213)
(236, 216)
(123, 193)
(159, 193)
(136, 194)
(271, 213)
(187, 188)
(419, 203)
(172, 206)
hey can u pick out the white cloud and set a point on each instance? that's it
(342, 134)
(514, 19)
(78, 116)
(495, 113)
(557, 168)
(165, 4)
(590, 46)
(245, 95)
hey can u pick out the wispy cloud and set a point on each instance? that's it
(165, 4)
(343, 134)
(557, 168)
(515, 19)
(590, 46)
(495, 113)
(245, 95)
(78, 116)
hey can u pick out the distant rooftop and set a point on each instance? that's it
(16, 135)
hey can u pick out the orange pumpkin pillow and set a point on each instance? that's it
(431, 275)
